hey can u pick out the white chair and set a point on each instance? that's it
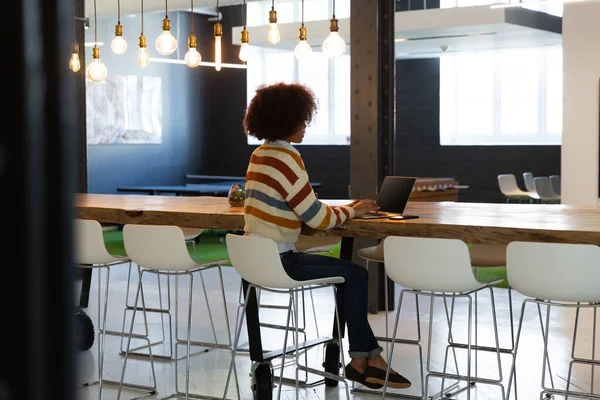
(528, 181)
(162, 250)
(190, 236)
(555, 183)
(544, 190)
(511, 190)
(556, 275)
(90, 252)
(439, 268)
(257, 261)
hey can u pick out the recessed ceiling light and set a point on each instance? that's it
(399, 40)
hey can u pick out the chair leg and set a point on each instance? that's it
(497, 339)
(236, 341)
(139, 292)
(102, 327)
(513, 368)
(285, 340)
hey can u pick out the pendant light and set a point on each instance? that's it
(192, 57)
(218, 32)
(143, 51)
(244, 38)
(334, 45)
(273, 35)
(74, 64)
(303, 49)
(166, 44)
(118, 44)
(96, 71)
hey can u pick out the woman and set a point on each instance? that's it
(279, 198)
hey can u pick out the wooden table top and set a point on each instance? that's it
(471, 222)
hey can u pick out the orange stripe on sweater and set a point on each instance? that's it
(292, 153)
(300, 196)
(326, 220)
(277, 164)
(346, 212)
(279, 221)
(338, 219)
(267, 180)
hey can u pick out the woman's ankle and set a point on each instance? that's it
(359, 364)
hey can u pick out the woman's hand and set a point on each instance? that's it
(364, 206)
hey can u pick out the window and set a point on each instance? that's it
(329, 79)
(501, 97)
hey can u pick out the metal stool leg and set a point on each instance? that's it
(139, 291)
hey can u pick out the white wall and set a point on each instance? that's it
(581, 104)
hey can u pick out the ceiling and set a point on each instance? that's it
(438, 32)
(109, 7)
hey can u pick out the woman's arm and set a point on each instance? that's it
(314, 213)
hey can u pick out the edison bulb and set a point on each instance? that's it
(118, 45)
(244, 52)
(166, 44)
(192, 57)
(334, 45)
(218, 53)
(273, 36)
(74, 64)
(96, 71)
(302, 50)
(143, 57)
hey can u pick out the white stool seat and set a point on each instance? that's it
(487, 255)
(372, 253)
(191, 233)
(315, 244)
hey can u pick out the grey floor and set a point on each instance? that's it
(209, 366)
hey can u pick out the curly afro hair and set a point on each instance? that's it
(278, 110)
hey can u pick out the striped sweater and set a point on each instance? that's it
(279, 196)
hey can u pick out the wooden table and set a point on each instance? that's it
(471, 222)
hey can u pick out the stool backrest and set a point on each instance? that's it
(158, 247)
(89, 246)
(528, 180)
(554, 271)
(543, 187)
(257, 260)
(430, 264)
(508, 185)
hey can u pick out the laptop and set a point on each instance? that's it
(392, 198)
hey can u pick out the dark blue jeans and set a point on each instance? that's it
(352, 295)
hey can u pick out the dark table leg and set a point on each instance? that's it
(86, 282)
(253, 323)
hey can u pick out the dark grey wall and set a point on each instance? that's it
(418, 150)
(190, 118)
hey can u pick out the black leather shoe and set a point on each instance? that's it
(374, 375)
(352, 374)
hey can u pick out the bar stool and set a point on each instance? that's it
(557, 275)
(162, 250)
(190, 236)
(90, 252)
(257, 261)
(438, 268)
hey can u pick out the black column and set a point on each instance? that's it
(38, 174)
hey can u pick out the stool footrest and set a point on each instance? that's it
(301, 346)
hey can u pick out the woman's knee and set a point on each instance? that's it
(358, 273)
